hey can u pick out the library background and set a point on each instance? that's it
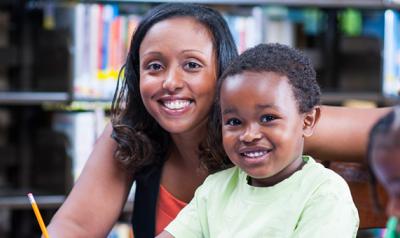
(59, 63)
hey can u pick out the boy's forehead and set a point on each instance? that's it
(248, 75)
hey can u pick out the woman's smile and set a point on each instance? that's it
(175, 106)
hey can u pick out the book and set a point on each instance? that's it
(101, 42)
(82, 130)
(391, 55)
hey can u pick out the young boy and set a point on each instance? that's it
(384, 160)
(268, 103)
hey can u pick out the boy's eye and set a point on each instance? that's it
(192, 65)
(233, 122)
(154, 67)
(267, 118)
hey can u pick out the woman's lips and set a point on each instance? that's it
(175, 107)
(176, 104)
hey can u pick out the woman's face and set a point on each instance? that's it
(178, 73)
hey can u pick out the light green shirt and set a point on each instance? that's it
(313, 202)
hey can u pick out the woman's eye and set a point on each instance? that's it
(233, 122)
(154, 67)
(192, 66)
(267, 118)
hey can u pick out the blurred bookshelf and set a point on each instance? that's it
(298, 3)
(59, 65)
(33, 98)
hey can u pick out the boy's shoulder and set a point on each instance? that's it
(222, 179)
(325, 179)
(223, 175)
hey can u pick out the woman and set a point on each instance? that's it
(159, 122)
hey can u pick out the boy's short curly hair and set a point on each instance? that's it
(281, 59)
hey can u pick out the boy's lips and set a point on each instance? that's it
(254, 152)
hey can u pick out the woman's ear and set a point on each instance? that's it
(310, 120)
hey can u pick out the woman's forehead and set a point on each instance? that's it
(183, 21)
(181, 32)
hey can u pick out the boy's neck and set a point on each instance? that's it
(295, 166)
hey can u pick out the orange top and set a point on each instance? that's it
(168, 208)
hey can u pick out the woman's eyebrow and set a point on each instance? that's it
(191, 50)
(152, 53)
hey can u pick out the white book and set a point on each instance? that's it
(278, 27)
(78, 47)
(280, 31)
(391, 54)
(93, 51)
(81, 129)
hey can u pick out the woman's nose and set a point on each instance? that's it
(251, 133)
(173, 80)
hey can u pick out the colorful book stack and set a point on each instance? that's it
(101, 42)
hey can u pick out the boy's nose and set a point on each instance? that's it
(250, 134)
(173, 81)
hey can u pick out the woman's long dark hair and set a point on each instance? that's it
(141, 140)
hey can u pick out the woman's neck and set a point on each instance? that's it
(182, 172)
(185, 148)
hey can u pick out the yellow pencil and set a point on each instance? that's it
(38, 216)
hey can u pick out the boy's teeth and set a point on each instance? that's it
(255, 154)
(176, 104)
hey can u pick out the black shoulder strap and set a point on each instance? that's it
(144, 207)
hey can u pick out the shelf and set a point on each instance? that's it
(311, 3)
(44, 202)
(339, 97)
(22, 202)
(32, 98)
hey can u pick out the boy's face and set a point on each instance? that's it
(262, 128)
(385, 156)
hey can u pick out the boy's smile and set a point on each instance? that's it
(262, 127)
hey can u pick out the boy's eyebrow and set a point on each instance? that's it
(229, 110)
(234, 110)
(262, 106)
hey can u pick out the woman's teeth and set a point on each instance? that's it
(176, 104)
(254, 154)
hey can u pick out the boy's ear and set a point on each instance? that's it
(310, 120)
